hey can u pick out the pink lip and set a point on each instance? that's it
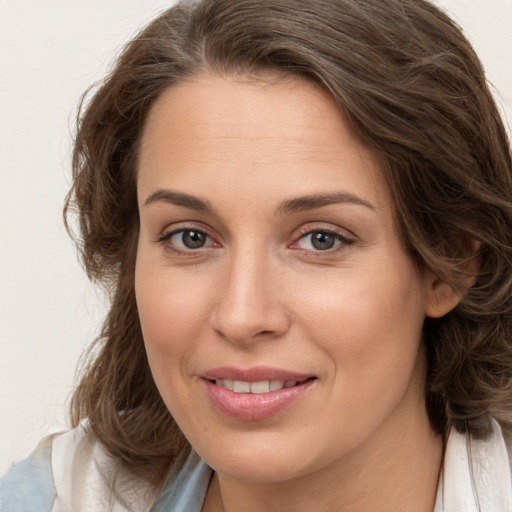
(255, 374)
(248, 406)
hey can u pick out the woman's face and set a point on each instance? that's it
(280, 312)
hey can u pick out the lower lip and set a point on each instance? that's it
(249, 406)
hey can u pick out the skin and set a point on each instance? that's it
(258, 292)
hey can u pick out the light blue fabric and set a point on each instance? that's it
(185, 487)
(28, 486)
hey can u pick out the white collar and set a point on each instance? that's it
(476, 474)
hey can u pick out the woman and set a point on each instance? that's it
(302, 211)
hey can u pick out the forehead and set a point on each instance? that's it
(220, 129)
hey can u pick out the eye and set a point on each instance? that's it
(321, 240)
(187, 239)
(318, 241)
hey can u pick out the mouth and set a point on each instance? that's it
(257, 388)
(255, 394)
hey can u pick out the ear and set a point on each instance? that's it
(442, 297)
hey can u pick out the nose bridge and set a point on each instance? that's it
(248, 300)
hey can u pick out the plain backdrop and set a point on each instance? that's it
(50, 52)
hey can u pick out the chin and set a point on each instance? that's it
(265, 458)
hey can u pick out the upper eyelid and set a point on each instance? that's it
(321, 227)
(172, 232)
(341, 238)
(186, 226)
(167, 235)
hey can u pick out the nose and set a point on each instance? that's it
(249, 303)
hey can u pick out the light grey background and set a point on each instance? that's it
(49, 53)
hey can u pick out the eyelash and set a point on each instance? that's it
(165, 238)
(343, 241)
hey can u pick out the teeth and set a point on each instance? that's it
(225, 383)
(260, 387)
(240, 386)
(276, 385)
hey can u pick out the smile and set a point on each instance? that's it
(264, 386)
(255, 394)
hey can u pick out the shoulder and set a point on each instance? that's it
(95, 474)
(88, 478)
(28, 485)
(72, 471)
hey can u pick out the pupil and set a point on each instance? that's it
(193, 239)
(322, 241)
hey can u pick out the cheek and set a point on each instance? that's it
(368, 323)
(364, 305)
(370, 329)
(172, 316)
(173, 309)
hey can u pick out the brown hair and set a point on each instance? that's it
(413, 90)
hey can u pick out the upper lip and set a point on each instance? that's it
(254, 374)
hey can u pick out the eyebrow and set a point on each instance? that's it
(296, 204)
(180, 199)
(310, 202)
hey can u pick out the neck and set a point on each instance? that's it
(396, 470)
